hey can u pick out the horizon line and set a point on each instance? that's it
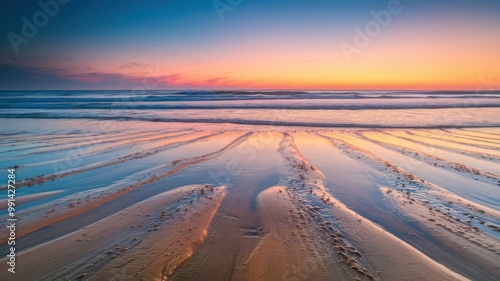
(268, 90)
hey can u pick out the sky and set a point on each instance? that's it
(250, 44)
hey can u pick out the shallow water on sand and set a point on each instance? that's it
(335, 188)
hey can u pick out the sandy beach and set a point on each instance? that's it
(132, 200)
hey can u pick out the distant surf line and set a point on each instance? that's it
(254, 122)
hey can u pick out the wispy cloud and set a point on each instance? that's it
(127, 73)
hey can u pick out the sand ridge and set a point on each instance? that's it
(153, 237)
(75, 204)
(401, 261)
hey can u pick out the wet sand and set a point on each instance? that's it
(153, 201)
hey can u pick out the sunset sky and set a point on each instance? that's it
(255, 44)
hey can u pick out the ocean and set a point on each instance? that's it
(355, 109)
